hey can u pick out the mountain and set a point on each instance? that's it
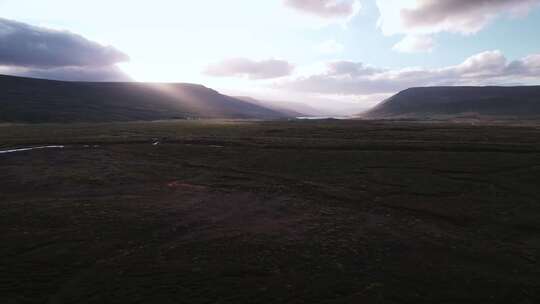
(521, 101)
(271, 105)
(38, 100)
(295, 109)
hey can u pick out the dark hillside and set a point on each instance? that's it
(452, 101)
(37, 100)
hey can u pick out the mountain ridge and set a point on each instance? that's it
(425, 102)
(37, 100)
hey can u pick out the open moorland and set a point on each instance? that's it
(270, 212)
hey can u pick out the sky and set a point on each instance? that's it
(344, 55)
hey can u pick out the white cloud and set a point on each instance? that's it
(350, 68)
(531, 64)
(352, 78)
(330, 47)
(328, 9)
(415, 43)
(421, 18)
(457, 16)
(461, 16)
(243, 67)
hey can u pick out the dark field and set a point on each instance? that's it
(270, 212)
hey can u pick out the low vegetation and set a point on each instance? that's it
(270, 212)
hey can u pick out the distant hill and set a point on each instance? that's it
(295, 109)
(287, 111)
(38, 100)
(522, 101)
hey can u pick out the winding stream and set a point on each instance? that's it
(29, 149)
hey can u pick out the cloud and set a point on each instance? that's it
(330, 47)
(350, 69)
(529, 64)
(32, 51)
(31, 46)
(414, 44)
(457, 16)
(328, 9)
(462, 16)
(243, 67)
(350, 78)
(421, 18)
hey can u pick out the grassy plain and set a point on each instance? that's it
(270, 212)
